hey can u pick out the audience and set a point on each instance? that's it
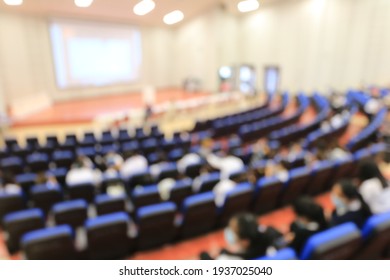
(82, 173)
(226, 164)
(134, 164)
(8, 184)
(188, 160)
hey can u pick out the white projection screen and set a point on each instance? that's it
(88, 54)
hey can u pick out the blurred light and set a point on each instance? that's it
(144, 7)
(317, 7)
(225, 72)
(248, 6)
(83, 3)
(13, 2)
(173, 17)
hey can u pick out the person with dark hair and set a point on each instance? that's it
(374, 187)
(350, 205)
(245, 239)
(310, 219)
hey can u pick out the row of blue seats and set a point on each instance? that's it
(345, 242)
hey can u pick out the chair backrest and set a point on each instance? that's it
(45, 197)
(107, 204)
(54, 243)
(38, 162)
(181, 190)
(283, 254)
(26, 181)
(156, 225)
(376, 235)
(298, 180)
(84, 191)
(168, 171)
(321, 178)
(10, 203)
(338, 243)
(193, 170)
(18, 223)
(266, 196)
(12, 164)
(107, 236)
(72, 213)
(194, 210)
(208, 181)
(144, 196)
(237, 200)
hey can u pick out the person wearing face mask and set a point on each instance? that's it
(350, 206)
(245, 239)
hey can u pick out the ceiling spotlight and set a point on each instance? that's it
(248, 6)
(144, 7)
(13, 2)
(173, 17)
(83, 3)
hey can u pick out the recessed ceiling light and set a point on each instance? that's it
(83, 3)
(144, 7)
(173, 17)
(248, 6)
(13, 2)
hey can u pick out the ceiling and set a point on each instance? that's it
(121, 10)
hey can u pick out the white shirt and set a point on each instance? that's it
(187, 160)
(227, 165)
(221, 189)
(372, 106)
(83, 175)
(164, 188)
(11, 189)
(134, 165)
(377, 197)
(337, 153)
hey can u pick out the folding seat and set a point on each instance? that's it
(199, 215)
(130, 146)
(16, 224)
(84, 191)
(110, 179)
(123, 136)
(338, 243)
(12, 164)
(37, 162)
(107, 204)
(208, 181)
(141, 179)
(181, 190)
(267, 192)
(88, 140)
(107, 148)
(156, 133)
(168, 144)
(345, 168)
(376, 236)
(156, 225)
(32, 143)
(44, 197)
(54, 243)
(193, 170)
(153, 158)
(10, 203)
(73, 212)
(240, 176)
(88, 151)
(10, 143)
(140, 134)
(321, 178)
(107, 236)
(70, 142)
(52, 141)
(283, 254)
(168, 170)
(107, 138)
(59, 174)
(176, 154)
(149, 145)
(296, 185)
(244, 154)
(63, 158)
(26, 181)
(143, 196)
(237, 200)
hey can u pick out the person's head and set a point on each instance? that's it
(369, 170)
(41, 178)
(242, 230)
(307, 211)
(79, 163)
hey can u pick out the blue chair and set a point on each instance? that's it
(107, 236)
(88, 151)
(59, 174)
(38, 162)
(169, 170)
(144, 196)
(176, 154)
(208, 181)
(63, 159)
(199, 215)
(70, 143)
(240, 176)
(18, 223)
(52, 141)
(106, 204)
(10, 203)
(321, 178)
(44, 196)
(149, 145)
(193, 170)
(72, 213)
(10, 143)
(107, 138)
(32, 143)
(88, 140)
(181, 190)
(84, 191)
(56, 243)
(298, 180)
(26, 181)
(124, 136)
(283, 254)
(346, 168)
(376, 235)
(142, 179)
(339, 243)
(12, 164)
(156, 225)
(267, 192)
(237, 200)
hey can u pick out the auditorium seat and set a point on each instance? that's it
(73, 212)
(168, 170)
(176, 154)
(56, 243)
(345, 167)
(84, 191)
(296, 185)
(199, 215)
(283, 254)
(52, 141)
(237, 200)
(266, 196)
(59, 174)
(26, 181)
(107, 204)
(193, 170)
(12, 164)
(208, 181)
(44, 197)
(123, 136)
(180, 191)
(322, 178)
(156, 225)
(107, 138)
(16, 224)
(88, 140)
(143, 196)
(10, 203)
(338, 243)
(63, 159)
(149, 145)
(107, 236)
(240, 176)
(38, 162)
(376, 235)
(141, 179)
(87, 151)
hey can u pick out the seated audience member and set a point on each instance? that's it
(374, 187)
(164, 188)
(8, 184)
(82, 173)
(187, 160)
(133, 165)
(336, 152)
(155, 169)
(260, 151)
(310, 219)
(225, 163)
(85, 161)
(255, 174)
(113, 160)
(221, 189)
(206, 147)
(245, 240)
(46, 178)
(350, 206)
(276, 169)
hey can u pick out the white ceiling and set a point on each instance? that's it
(121, 10)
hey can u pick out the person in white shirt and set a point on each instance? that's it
(188, 160)
(133, 165)
(8, 184)
(374, 188)
(227, 164)
(221, 189)
(164, 188)
(82, 173)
